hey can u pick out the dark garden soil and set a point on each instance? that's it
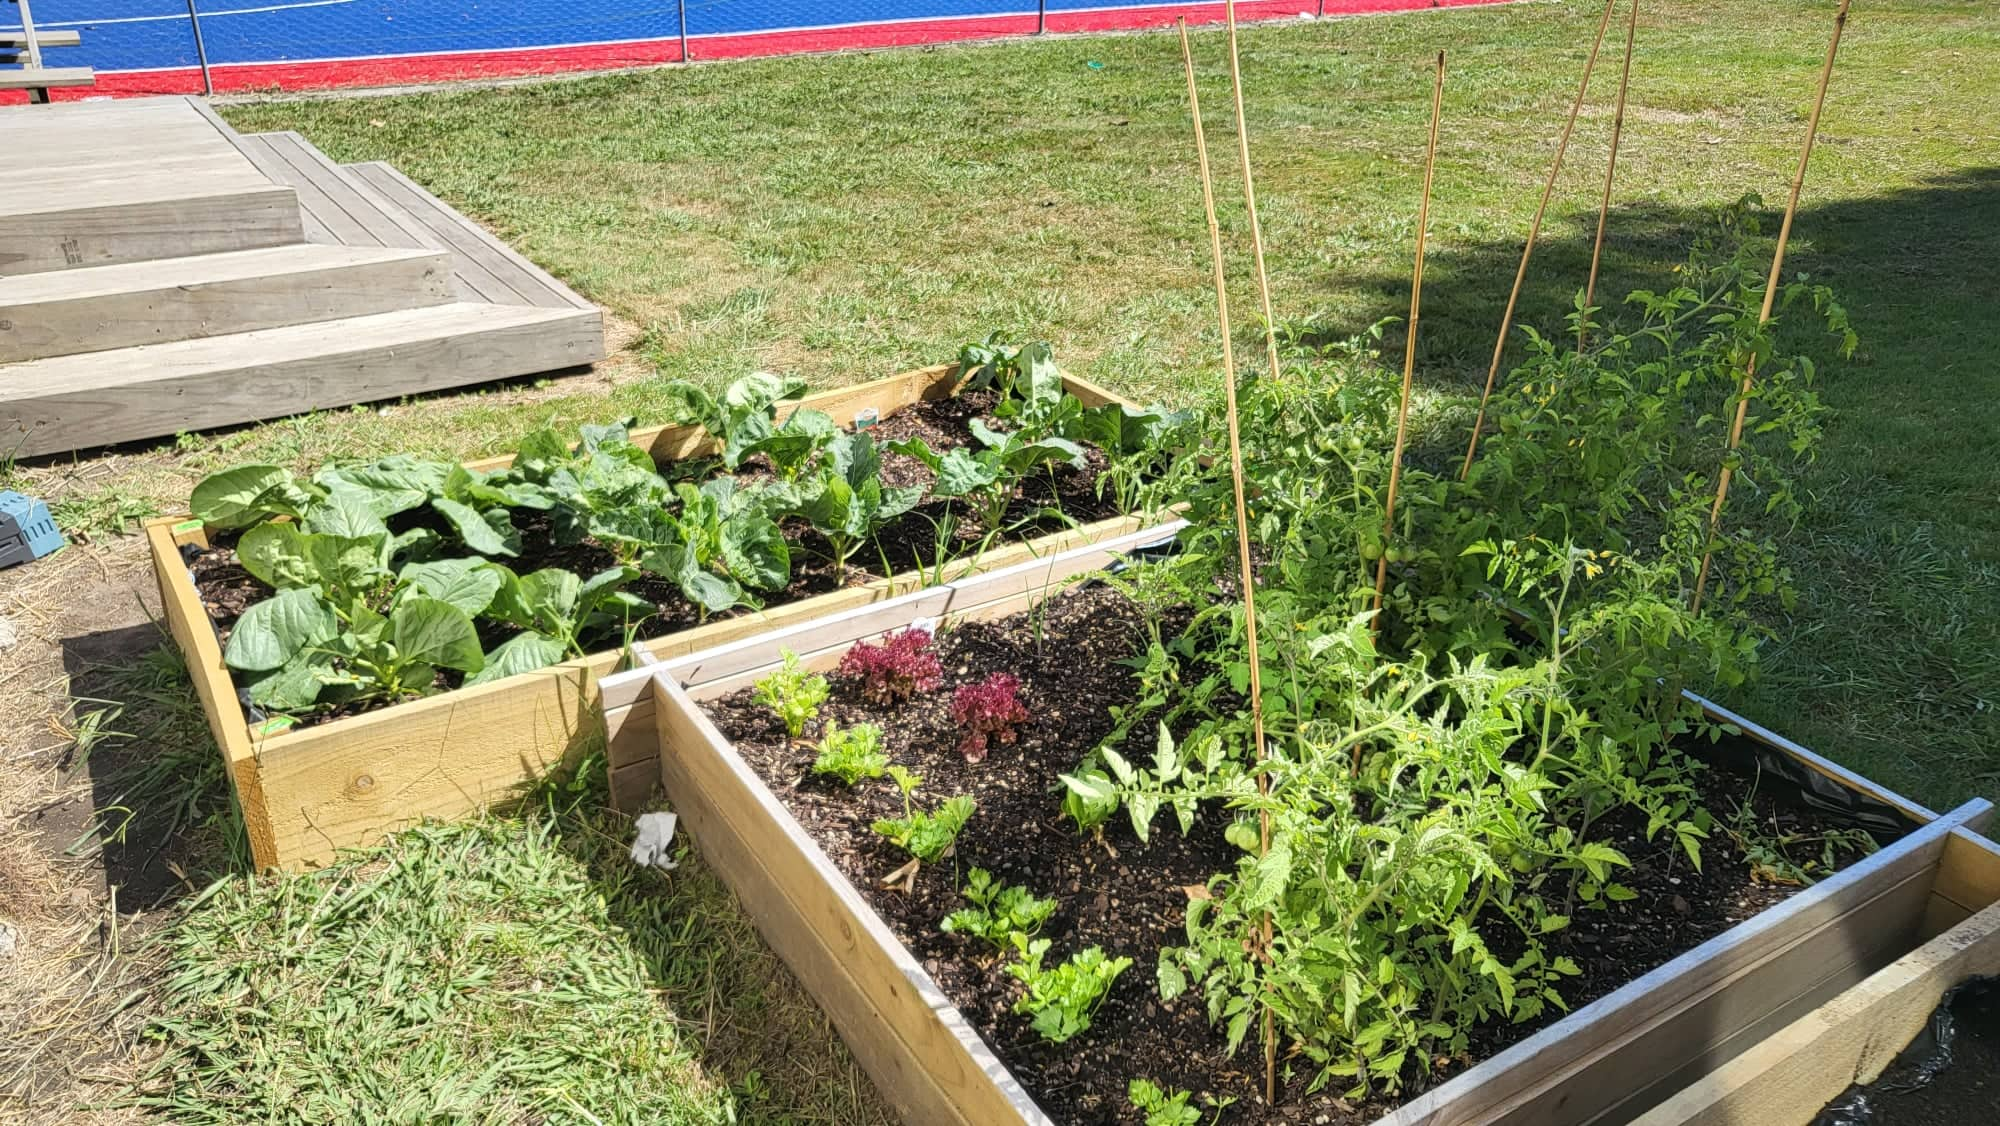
(935, 532)
(1130, 898)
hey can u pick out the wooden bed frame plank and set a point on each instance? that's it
(1789, 1077)
(307, 793)
(1646, 1038)
(911, 1040)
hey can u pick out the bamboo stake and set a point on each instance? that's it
(1409, 352)
(1534, 232)
(1610, 173)
(1250, 195)
(1770, 298)
(1246, 573)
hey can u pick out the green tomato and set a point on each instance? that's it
(1371, 550)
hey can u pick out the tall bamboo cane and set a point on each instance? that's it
(1250, 196)
(1610, 174)
(1764, 317)
(1409, 350)
(1246, 573)
(1534, 232)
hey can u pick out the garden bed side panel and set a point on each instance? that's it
(1642, 1041)
(1788, 1078)
(915, 1045)
(1610, 1059)
(307, 793)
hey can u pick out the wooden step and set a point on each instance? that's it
(66, 312)
(487, 268)
(40, 78)
(339, 209)
(102, 398)
(68, 230)
(42, 39)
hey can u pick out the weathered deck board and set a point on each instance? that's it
(70, 312)
(480, 253)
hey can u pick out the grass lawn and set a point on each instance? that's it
(845, 217)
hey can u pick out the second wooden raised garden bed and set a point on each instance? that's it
(1605, 1062)
(306, 792)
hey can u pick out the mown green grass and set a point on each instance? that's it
(503, 970)
(847, 216)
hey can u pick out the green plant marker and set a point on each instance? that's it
(192, 525)
(274, 726)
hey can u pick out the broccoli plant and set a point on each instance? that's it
(925, 836)
(721, 542)
(847, 503)
(794, 694)
(1059, 1001)
(744, 420)
(988, 479)
(894, 669)
(988, 712)
(998, 911)
(852, 753)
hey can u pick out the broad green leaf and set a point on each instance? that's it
(294, 687)
(708, 590)
(273, 631)
(344, 512)
(478, 529)
(435, 632)
(521, 653)
(960, 473)
(390, 485)
(756, 553)
(854, 458)
(276, 554)
(468, 584)
(1173, 982)
(239, 497)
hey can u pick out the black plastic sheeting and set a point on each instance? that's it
(1791, 782)
(1948, 1076)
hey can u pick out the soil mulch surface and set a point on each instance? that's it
(910, 542)
(1128, 897)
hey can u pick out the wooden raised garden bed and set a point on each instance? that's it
(309, 791)
(1607, 1061)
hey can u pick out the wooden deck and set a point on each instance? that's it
(160, 272)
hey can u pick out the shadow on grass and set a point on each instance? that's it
(754, 1025)
(1891, 662)
(159, 813)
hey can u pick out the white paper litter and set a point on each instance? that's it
(655, 846)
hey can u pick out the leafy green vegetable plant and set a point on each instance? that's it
(847, 503)
(794, 694)
(998, 912)
(1160, 1107)
(989, 478)
(851, 753)
(928, 836)
(1060, 1001)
